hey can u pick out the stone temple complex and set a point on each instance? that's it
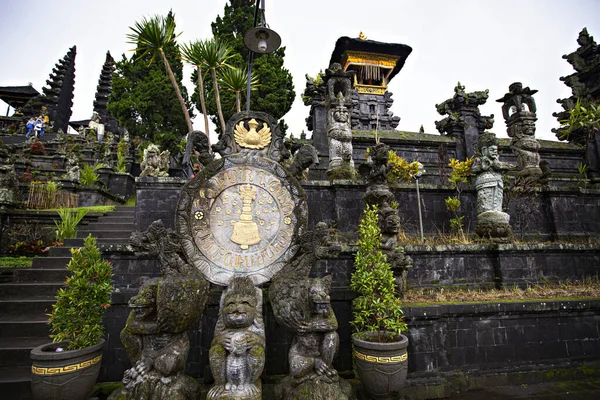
(235, 283)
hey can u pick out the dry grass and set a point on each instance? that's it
(589, 287)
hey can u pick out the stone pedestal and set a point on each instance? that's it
(494, 225)
(156, 199)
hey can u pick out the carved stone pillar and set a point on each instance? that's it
(338, 103)
(463, 119)
(519, 112)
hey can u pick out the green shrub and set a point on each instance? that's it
(69, 219)
(88, 176)
(77, 314)
(376, 308)
(122, 151)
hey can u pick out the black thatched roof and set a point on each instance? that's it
(344, 43)
(77, 124)
(17, 96)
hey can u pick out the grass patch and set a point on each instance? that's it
(91, 209)
(130, 202)
(566, 290)
(16, 262)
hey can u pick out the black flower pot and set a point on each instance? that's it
(66, 374)
(382, 367)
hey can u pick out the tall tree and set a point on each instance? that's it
(275, 94)
(143, 98)
(151, 36)
(194, 54)
(215, 55)
(236, 81)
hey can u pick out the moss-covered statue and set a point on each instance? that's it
(306, 157)
(303, 305)
(9, 185)
(492, 222)
(155, 336)
(237, 352)
(154, 164)
(339, 132)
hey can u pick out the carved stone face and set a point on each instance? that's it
(144, 303)
(392, 224)
(319, 296)
(528, 128)
(239, 310)
(491, 152)
(340, 115)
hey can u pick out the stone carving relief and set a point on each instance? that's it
(492, 222)
(237, 352)
(155, 164)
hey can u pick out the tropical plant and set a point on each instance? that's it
(88, 176)
(584, 116)
(275, 94)
(401, 170)
(461, 171)
(151, 36)
(215, 55)
(236, 80)
(377, 308)
(77, 314)
(69, 219)
(194, 54)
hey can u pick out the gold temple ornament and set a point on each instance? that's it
(252, 139)
(245, 231)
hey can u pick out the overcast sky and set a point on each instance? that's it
(484, 44)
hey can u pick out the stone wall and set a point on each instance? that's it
(458, 265)
(486, 336)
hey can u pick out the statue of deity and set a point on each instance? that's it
(339, 128)
(155, 164)
(519, 111)
(492, 222)
(237, 352)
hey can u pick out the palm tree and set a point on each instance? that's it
(151, 36)
(236, 80)
(215, 55)
(194, 53)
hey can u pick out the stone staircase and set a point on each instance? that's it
(27, 295)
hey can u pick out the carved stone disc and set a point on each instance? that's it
(240, 217)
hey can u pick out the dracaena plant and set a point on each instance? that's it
(377, 308)
(77, 314)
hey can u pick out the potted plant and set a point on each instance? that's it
(379, 345)
(69, 367)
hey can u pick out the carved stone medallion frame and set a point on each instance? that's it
(239, 217)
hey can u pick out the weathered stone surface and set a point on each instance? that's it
(239, 217)
(155, 165)
(303, 305)
(155, 335)
(339, 131)
(237, 353)
(519, 112)
(492, 222)
(463, 119)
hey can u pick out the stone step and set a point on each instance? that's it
(62, 251)
(33, 290)
(15, 383)
(125, 208)
(111, 219)
(107, 226)
(14, 351)
(39, 275)
(23, 310)
(35, 327)
(122, 213)
(50, 262)
(73, 242)
(105, 234)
